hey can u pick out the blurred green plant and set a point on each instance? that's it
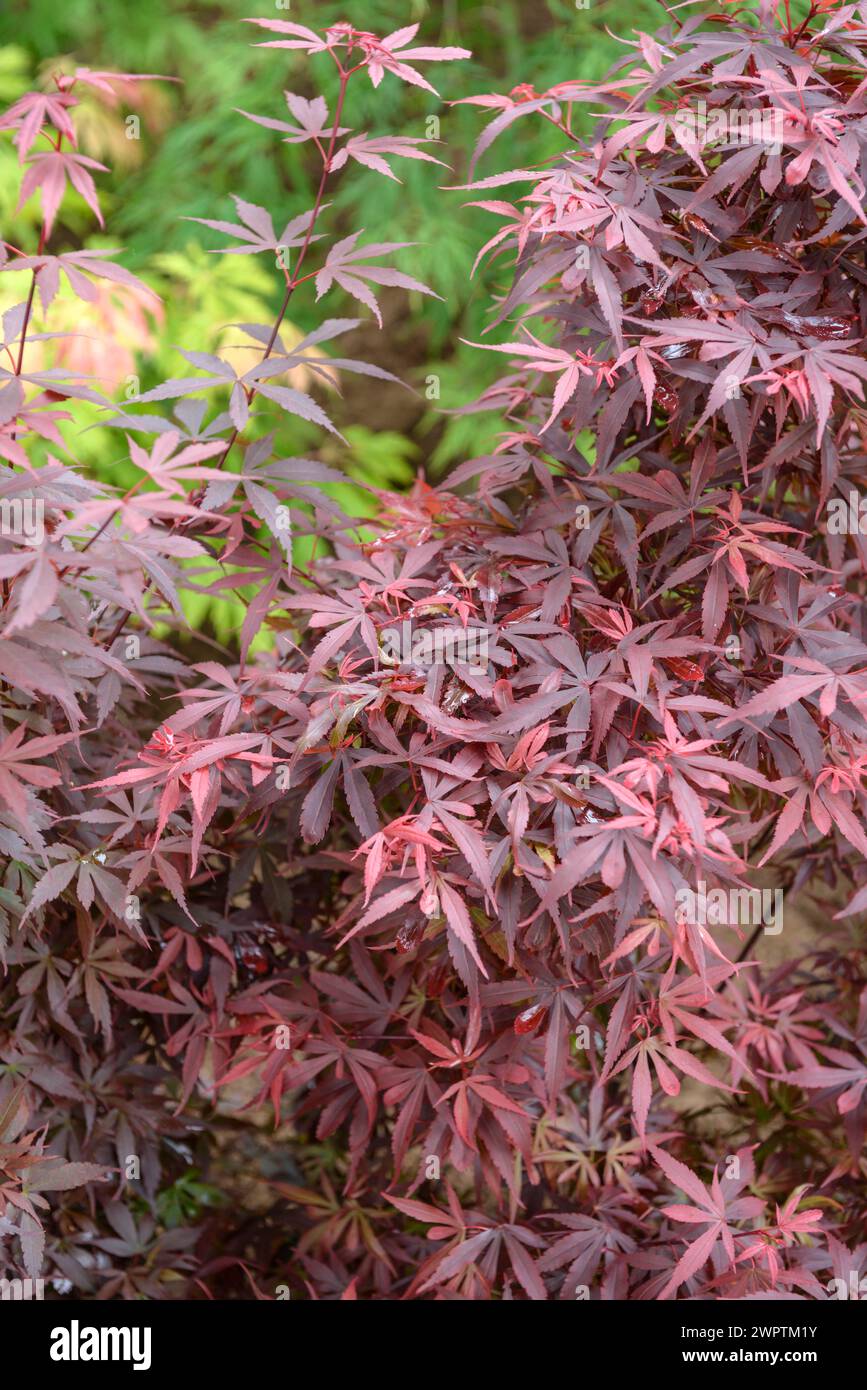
(183, 1203)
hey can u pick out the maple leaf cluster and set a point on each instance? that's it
(430, 912)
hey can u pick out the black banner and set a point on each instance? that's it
(63, 1338)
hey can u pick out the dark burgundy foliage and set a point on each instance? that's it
(429, 913)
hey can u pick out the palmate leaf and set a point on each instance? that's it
(312, 120)
(76, 266)
(370, 151)
(294, 402)
(258, 232)
(343, 266)
(50, 173)
(389, 54)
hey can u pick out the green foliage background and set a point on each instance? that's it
(194, 150)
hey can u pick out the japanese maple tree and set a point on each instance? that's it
(430, 911)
